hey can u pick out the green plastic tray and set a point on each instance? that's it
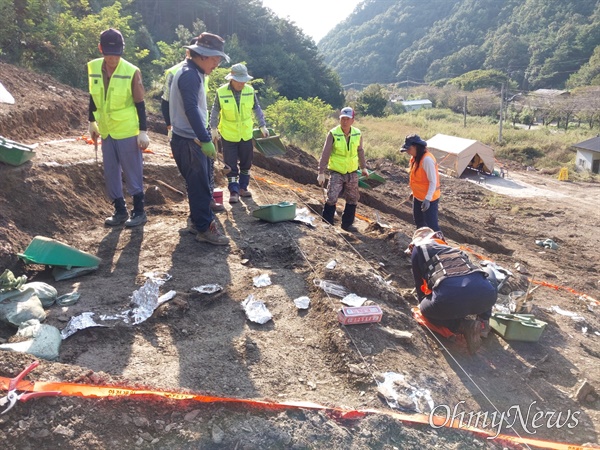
(373, 180)
(269, 146)
(517, 327)
(13, 153)
(279, 212)
(43, 250)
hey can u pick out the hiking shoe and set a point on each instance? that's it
(234, 197)
(245, 193)
(216, 207)
(350, 228)
(471, 330)
(136, 219)
(212, 235)
(191, 228)
(117, 218)
(485, 328)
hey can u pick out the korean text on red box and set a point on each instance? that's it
(352, 315)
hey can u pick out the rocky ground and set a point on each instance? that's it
(203, 343)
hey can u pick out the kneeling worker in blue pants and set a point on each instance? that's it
(450, 287)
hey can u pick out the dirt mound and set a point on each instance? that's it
(204, 343)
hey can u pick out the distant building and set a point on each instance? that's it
(414, 105)
(588, 155)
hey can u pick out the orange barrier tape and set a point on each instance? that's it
(292, 188)
(86, 390)
(564, 288)
(541, 283)
(361, 217)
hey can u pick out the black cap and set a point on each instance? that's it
(112, 42)
(412, 139)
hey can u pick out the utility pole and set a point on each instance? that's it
(501, 113)
(465, 112)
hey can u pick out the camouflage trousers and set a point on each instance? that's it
(343, 186)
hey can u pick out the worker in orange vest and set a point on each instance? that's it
(424, 182)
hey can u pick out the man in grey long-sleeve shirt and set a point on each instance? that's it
(191, 143)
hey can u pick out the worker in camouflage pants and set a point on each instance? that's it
(342, 155)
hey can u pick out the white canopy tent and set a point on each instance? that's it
(455, 154)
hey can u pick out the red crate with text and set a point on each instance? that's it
(352, 315)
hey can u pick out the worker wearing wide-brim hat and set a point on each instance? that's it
(424, 182)
(192, 143)
(231, 115)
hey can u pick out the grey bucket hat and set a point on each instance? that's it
(209, 44)
(239, 72)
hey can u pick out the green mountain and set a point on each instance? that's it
(537, 43)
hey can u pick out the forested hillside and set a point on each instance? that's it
(59, 37)
(537, 43)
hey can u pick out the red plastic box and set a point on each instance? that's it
(352, 315)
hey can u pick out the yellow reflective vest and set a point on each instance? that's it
(235, 123)
(344, 155)
(115, 111)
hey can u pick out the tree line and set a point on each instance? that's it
(58, 37)
(535, 43)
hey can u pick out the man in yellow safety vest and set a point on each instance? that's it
(117, 114)
(231, 115)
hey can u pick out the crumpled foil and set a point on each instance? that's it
(256, 310)
(208, 288)
(304, 216)
(145, 300)
(262, 280)
(80, 322)
(354, 300)
(302, 302)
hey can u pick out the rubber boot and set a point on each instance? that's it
(120, 215)
(138, 215)
(348, 218)
(328, 213)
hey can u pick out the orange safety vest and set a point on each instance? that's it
(418, 181)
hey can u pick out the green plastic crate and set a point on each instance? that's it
(517, 327)
(279, 212)
(14, 153)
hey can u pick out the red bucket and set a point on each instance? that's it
(218, 195)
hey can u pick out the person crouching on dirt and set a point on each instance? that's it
(450, 287)
(342, 155)
(424, 182)
(117, 113)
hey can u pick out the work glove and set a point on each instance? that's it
(208, 148)
(170, 132)
(425, 205)
(94, 130)
(264, 131)
(142, 140)
(321, 179)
